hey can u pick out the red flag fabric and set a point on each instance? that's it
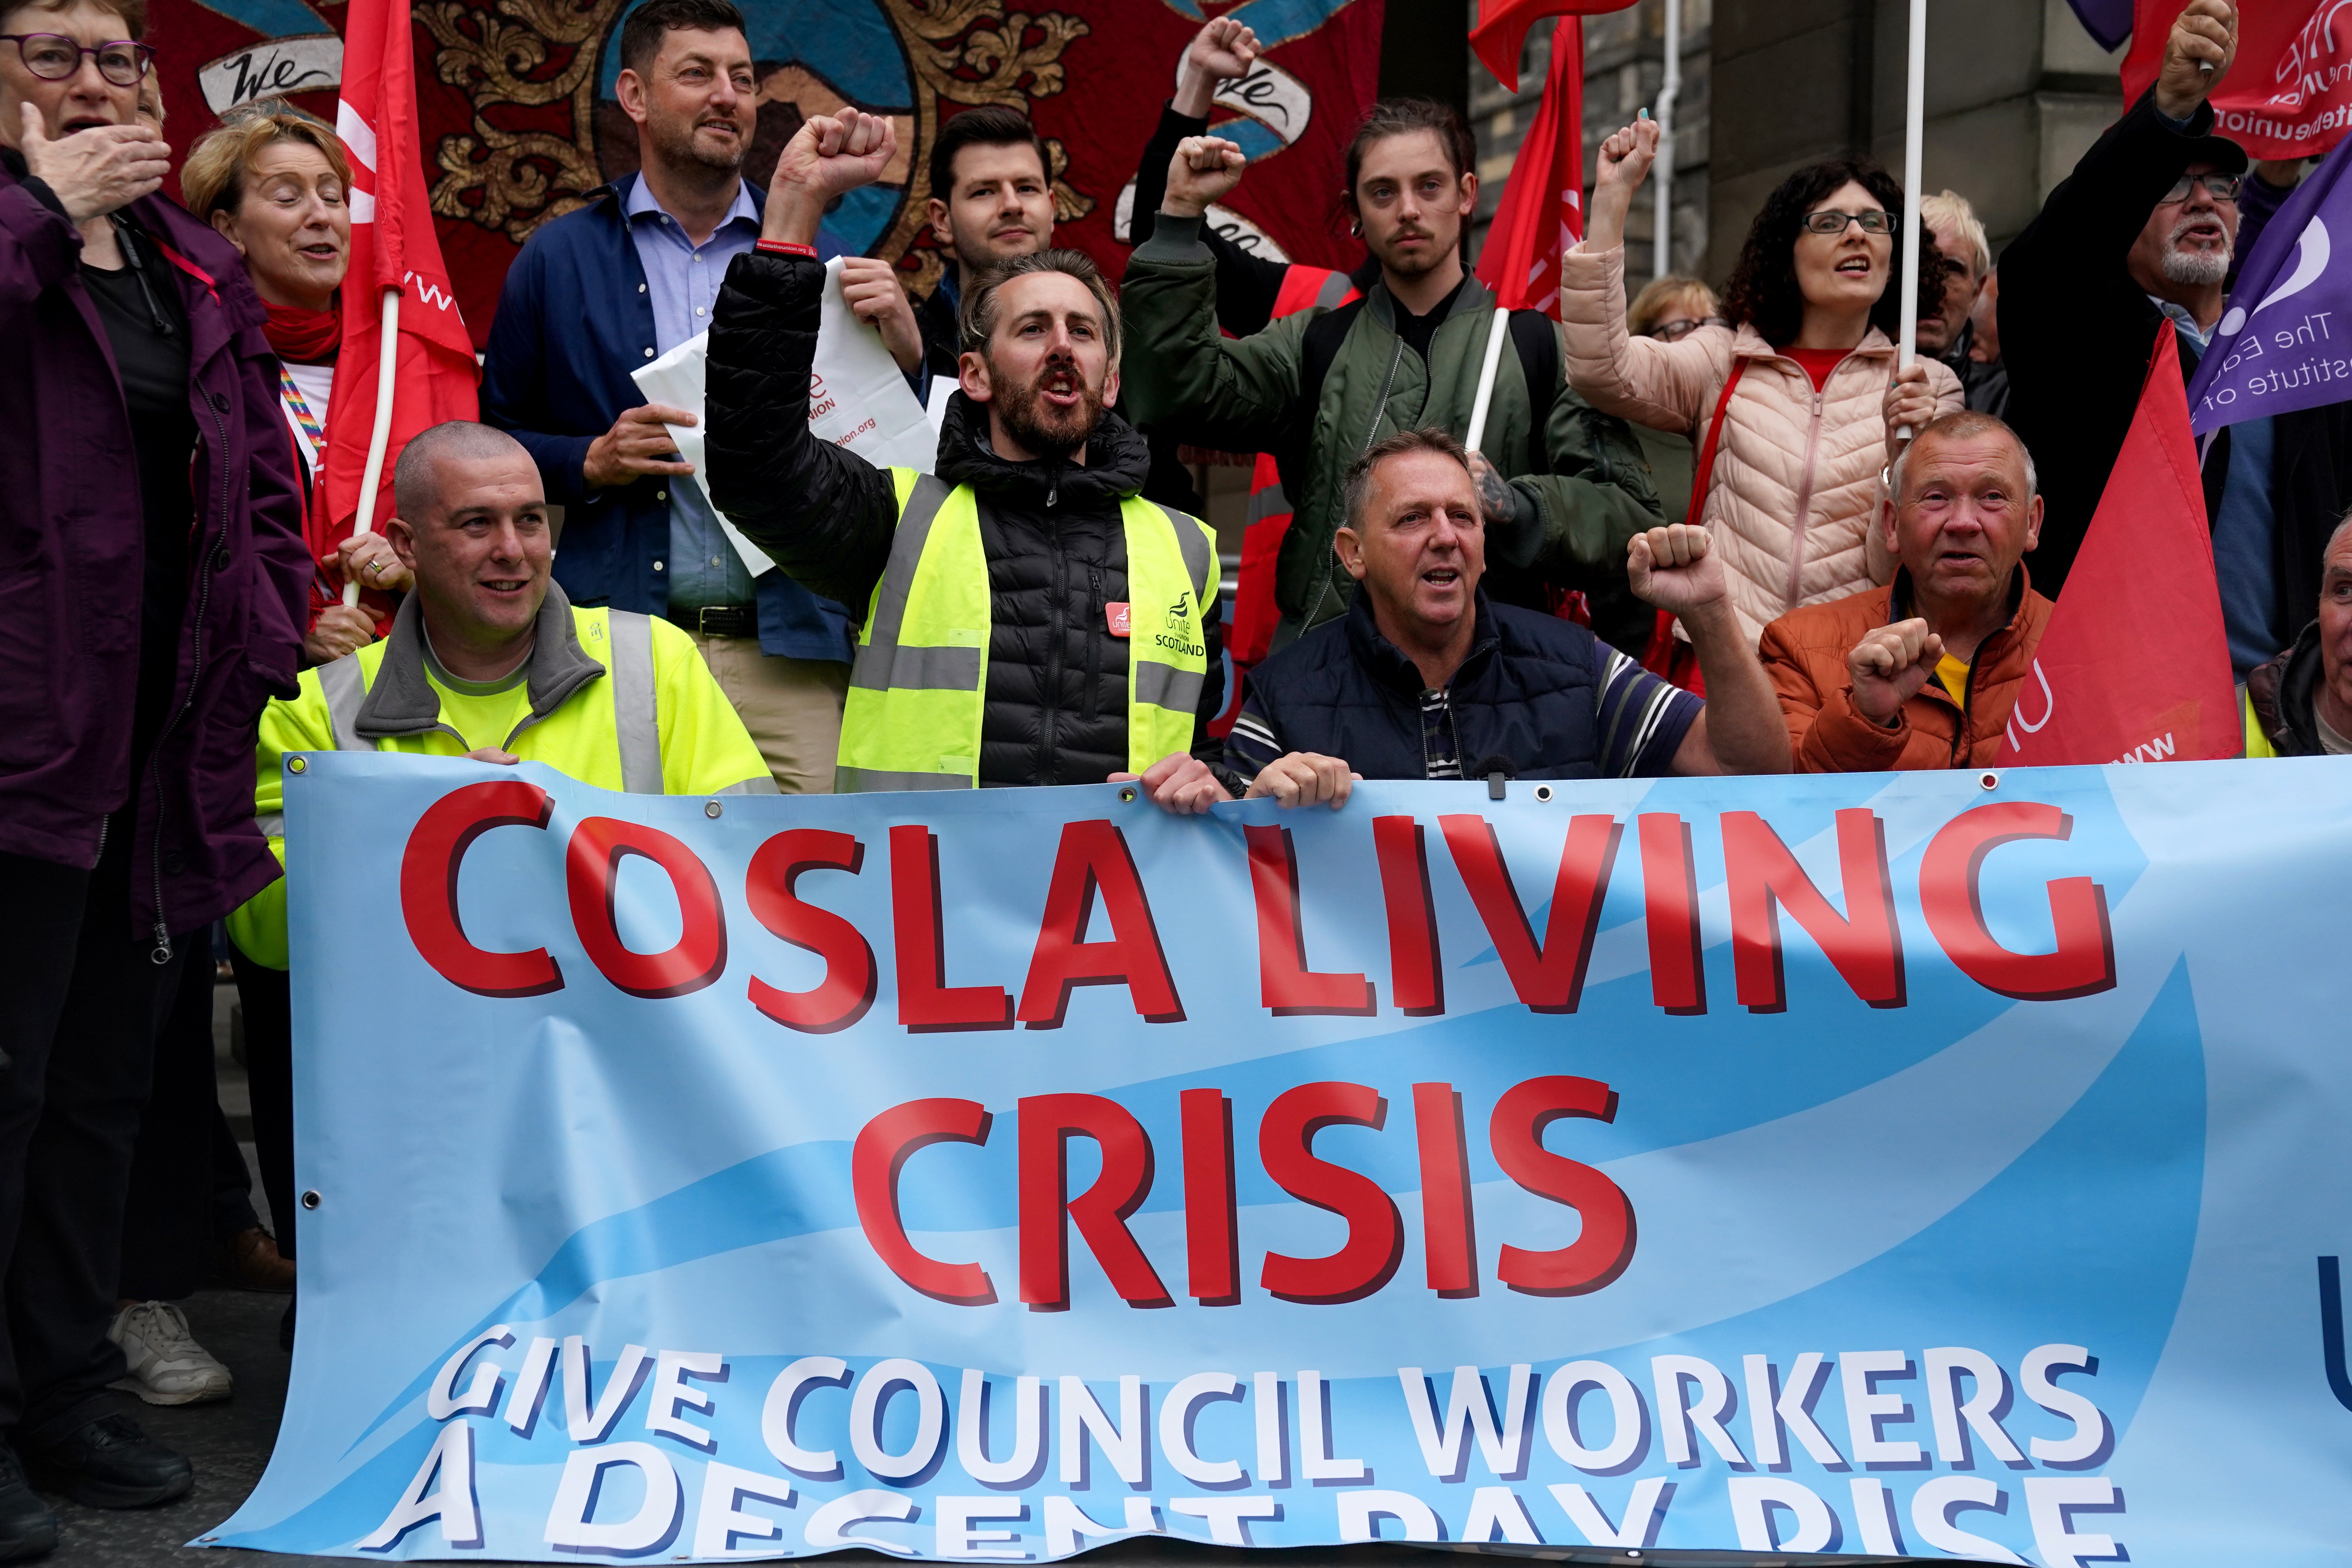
(2289, 92)
(2135, 666)
(1502, 29)
(392, 247)
(1542, 210)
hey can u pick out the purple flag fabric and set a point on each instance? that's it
(2108, 21)
(2285, 341)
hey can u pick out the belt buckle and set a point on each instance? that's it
(728, 618)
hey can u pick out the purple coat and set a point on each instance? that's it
(72, 549)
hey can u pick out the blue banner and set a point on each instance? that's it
(1934, 1165)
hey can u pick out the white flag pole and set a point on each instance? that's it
(1662, 171)
(1496, 331)
(387, 364)
(1913, 134)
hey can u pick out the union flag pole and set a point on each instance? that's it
(1906, 260)
(393, 251)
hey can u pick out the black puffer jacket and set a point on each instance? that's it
(1056, 687)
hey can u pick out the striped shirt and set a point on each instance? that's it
(1641, 721)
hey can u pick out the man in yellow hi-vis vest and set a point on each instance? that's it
(486, 660)
(1030, 619)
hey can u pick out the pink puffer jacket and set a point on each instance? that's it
(1797, 472)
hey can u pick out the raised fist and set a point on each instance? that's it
(1626, 156)
(1676, 568)
(1226, 50)
(1889, 666)
(1624, 159)
(2197, 56)
(830, 155)
(1204, 172)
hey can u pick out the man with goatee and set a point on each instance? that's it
(1030, 619)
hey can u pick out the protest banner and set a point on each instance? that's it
(1939, 1164)
(519, 124)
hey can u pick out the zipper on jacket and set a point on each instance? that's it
(161, 951)
(1804, 496)
(1379, 409)
(1060, 606)
(1096, 605)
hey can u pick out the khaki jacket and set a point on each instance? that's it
(1796, 477)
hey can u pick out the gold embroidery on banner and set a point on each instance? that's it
(969, 52)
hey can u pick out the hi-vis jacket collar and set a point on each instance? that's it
(403, 702)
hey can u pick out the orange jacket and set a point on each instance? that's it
(1805, 652)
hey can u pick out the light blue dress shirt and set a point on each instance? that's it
(682, 281)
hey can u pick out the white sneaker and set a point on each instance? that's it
(167, 1365)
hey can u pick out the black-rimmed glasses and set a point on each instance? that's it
(1872, 222)
(53, 57)
(1680, 327)
(2221, 187)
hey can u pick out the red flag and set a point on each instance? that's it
(1542, 210)
(2288, 93)
(2135, 666)
(392, 247)
(1502, 29)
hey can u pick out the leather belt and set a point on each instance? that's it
(727, 621)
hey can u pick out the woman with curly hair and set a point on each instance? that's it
(1799, 386)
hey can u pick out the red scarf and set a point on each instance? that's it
(305, 337)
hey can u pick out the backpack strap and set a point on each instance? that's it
(1537, 342)
(1318, 347)
(1705, 469)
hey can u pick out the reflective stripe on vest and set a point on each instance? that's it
(637, 722)
(344, 685)
(916, 692)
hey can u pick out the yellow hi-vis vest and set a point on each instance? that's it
(918, 689)
(618, 700)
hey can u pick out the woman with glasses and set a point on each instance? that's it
(1791, 398)
(1669, 309)
(152, 578)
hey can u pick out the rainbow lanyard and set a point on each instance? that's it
(309, 422)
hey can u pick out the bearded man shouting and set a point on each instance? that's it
(1030, 619)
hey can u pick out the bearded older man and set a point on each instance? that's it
(2142, 231)
(1030, 619)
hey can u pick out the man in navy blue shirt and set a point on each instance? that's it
(603, 291)
(1425, 677)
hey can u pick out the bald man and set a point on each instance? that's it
(486, 660)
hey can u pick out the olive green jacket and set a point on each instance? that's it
(1180, 375)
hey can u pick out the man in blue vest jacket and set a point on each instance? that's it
(603, 291)
(1424, 677)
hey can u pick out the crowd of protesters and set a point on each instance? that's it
(1703, 533)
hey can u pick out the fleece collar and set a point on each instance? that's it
(402, 701)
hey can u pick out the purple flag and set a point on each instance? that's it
(2108, 21)
(2285, 341)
